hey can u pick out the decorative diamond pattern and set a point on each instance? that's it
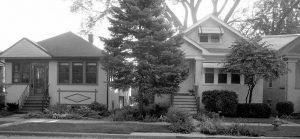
(77, 98)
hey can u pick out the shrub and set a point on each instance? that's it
(127, 113)
(12, 106)
(101, 108)
(220, 100)
(240, 130)
(211, 126)
(285, 108)
(2, 102)
(180, 121)
(253, 110)
(156, 110)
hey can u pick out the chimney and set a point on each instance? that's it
(91, 38)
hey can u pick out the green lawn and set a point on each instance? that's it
(257, 120)
(5, 113)
(113, 128)
(284, 131)
(4, 122)
(248, 120)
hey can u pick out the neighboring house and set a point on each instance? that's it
(206, 44)
(64, 68)
(286, 88)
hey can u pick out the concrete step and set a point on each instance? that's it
(185, 106)
(184, 97)
(184, 100)
(184, 103)
(31, 109)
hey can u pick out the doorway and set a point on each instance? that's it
(39, 78)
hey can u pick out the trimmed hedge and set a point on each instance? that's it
(285, 108)
(253, 110)
(220, 100)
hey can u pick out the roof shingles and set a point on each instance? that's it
(70, 45)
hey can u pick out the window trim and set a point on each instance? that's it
(84, 72)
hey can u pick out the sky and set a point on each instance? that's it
(41, 19)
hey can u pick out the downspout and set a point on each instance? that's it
(107, 92)
(286, 81)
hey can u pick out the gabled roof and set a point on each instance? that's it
(279, 42)
(210, 16)
(70, 45)
(25, 48)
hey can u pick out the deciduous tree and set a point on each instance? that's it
(255, 60)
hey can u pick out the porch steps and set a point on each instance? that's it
(33, 103)
(186, 102)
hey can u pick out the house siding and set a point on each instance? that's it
(54, 86)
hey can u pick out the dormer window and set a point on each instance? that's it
(215, 38)
(210, 34)
(203, 38)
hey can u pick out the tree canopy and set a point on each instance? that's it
(143, 51)
(255, 60)
(270, 17)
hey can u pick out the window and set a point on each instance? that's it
(64, 73)
(203, 38)
(209, 75)
(210, 38)
(77, 73)
(235, 78)
(21, 72)
(222, 77)
(248, 79)
(270, 84)
(91, 72)
(215, 38)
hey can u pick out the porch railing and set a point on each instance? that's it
(46, 98)
(23, 97)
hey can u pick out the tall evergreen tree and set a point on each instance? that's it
(143, 51)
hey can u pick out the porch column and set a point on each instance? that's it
(198, 78)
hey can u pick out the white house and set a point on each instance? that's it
(286, 88)
(64, 68)
(206, 44)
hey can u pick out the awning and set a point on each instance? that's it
(213, 65)
(211, 30)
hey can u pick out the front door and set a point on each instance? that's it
(39, 78)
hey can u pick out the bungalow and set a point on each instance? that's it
(286, 88)
(64, 69)
(206, 44)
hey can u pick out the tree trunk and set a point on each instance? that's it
(250, 94)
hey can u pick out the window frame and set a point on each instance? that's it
(20, 72)
(220, 73)
(213, 73)
(209, 38)
(83, 73)
(239, 78)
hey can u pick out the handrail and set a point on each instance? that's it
(23, 97)
(45, 99)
